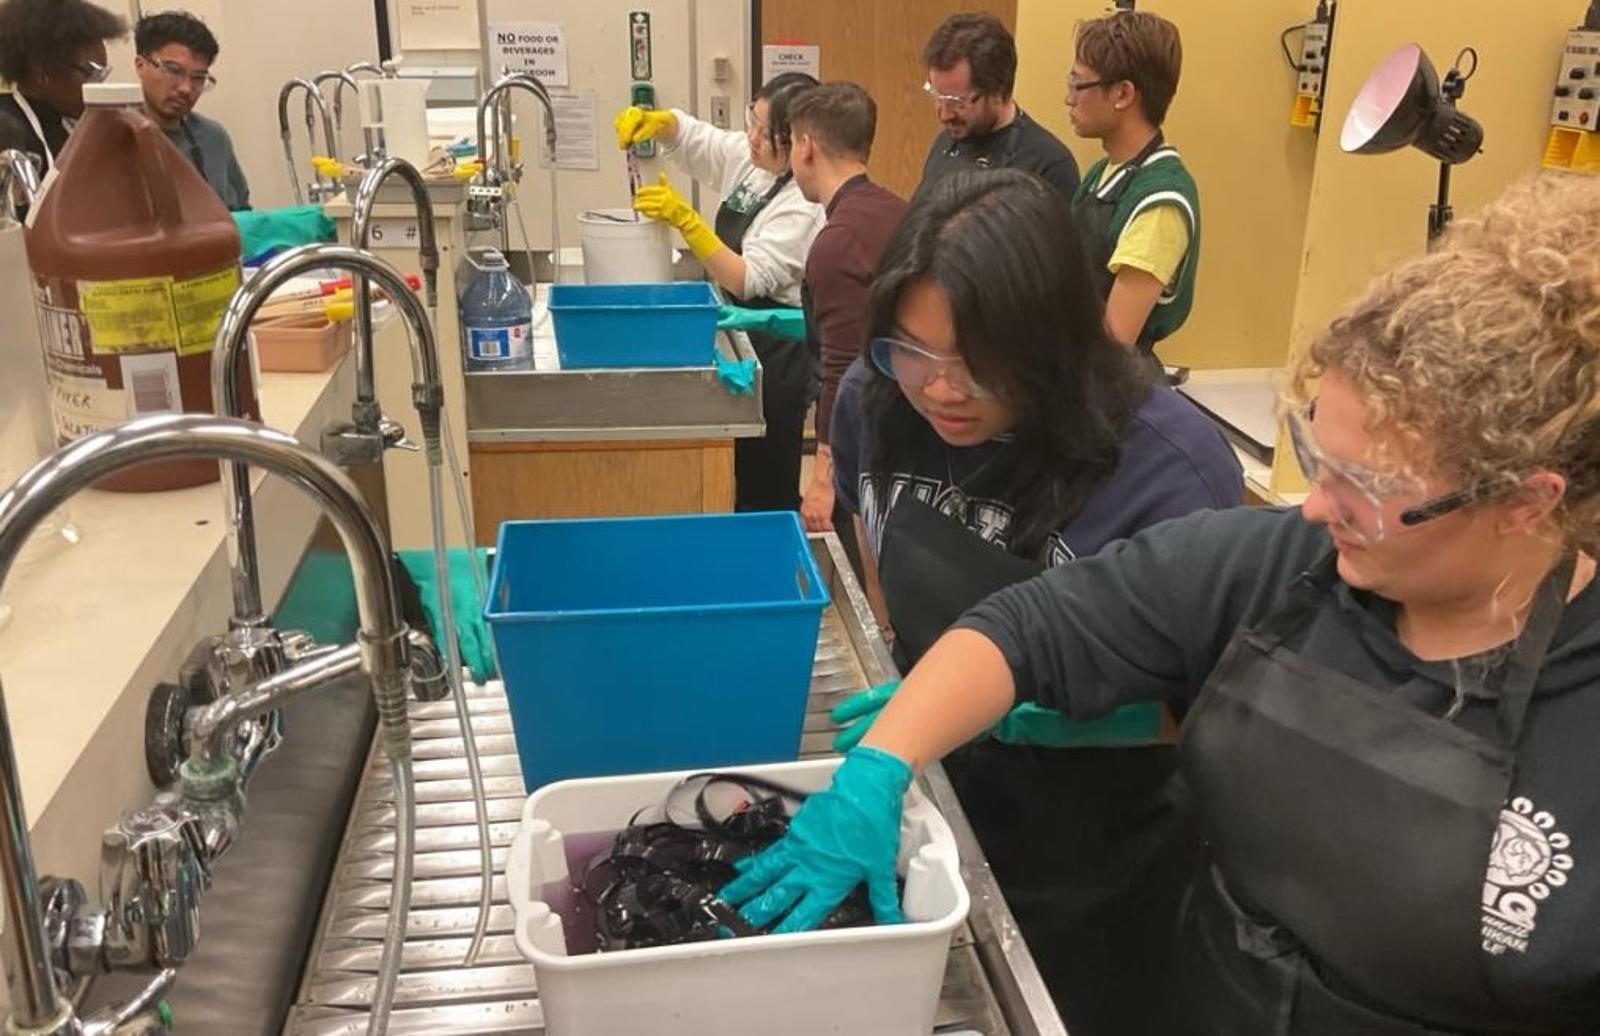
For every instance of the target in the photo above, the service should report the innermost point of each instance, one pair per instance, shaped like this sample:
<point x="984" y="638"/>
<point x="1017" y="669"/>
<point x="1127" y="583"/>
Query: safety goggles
<point x="92" y="71"/>
<point x="201" y="81"/>
<point x="915" y="367"/>
<point x="1357" y="493"/>
<point x="949" y="100"/>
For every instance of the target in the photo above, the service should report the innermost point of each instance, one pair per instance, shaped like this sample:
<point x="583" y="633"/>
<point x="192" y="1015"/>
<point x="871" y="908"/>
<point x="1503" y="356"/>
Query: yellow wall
<point x="1230" y="121"/>
<point x="1367" y="211"/>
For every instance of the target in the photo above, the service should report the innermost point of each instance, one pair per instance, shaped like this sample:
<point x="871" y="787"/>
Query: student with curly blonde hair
<point x="1395" y="688"/>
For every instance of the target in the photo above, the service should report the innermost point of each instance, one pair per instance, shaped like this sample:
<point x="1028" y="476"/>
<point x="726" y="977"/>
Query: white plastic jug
<point x="618" y="249"/>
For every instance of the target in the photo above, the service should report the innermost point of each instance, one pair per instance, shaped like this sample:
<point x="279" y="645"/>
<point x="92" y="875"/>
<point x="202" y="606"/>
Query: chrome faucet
<point x="19" y="176"/>
<point x="155" y="862"/>
<point x="340" y="80"/>
<point x="319" y="189"/>
<point x="486" y="196"/>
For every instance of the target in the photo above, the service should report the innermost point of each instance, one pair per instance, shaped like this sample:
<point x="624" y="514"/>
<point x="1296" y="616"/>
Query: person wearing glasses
<point x="175" y="52"/>
<point x="48" y="50"/>
<point x="755" y="250"/>
<point x="1395" y="686"/>
<point x="1138" y="205"/>
<point x="971" y="62"/>
<point x="998" y="432"/>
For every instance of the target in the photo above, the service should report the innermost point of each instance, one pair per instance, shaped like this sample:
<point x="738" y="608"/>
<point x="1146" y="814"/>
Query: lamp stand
<point x="1439" y="212"/>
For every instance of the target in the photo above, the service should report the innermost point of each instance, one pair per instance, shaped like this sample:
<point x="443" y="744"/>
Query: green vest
<point x="1160" y="179"/>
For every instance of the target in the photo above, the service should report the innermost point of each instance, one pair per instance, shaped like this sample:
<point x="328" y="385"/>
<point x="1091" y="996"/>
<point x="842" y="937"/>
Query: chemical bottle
<point x="496" y="316"/>
<point x="134" y="259"/>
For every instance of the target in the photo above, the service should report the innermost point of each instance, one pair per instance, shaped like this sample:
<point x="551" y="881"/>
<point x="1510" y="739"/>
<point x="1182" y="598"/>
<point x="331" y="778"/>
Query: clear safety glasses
<point x="957" y="101"/>
<point x="201" y="81"/>
<point x="1357" y="493"/>
<point x="915" y="367"/>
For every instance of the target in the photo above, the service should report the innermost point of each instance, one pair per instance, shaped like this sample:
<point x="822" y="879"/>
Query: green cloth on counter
<point x="472" y="632"/>
<point x="786" y="323"/>
<point x="264" y="230"/>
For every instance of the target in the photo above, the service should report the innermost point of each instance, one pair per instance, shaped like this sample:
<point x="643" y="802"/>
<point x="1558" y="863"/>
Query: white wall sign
<point x="777" y="59"/>
<point x="577" y="146"/>
<point x="538" y="48"/>
<point x="437" y="24"/>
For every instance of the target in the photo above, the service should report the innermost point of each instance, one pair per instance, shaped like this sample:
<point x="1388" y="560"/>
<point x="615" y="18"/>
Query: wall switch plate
<point x="719" y="111"/>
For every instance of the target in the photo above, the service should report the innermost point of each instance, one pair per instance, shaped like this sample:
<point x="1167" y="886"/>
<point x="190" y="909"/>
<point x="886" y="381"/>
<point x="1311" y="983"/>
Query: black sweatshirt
<point x="1147" y="618"/>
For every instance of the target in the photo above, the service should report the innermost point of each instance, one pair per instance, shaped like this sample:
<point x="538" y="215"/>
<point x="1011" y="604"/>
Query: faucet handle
<point x="144" y="1014"/>
<point x="394" y="435"/>
<point x="153" y="870"/>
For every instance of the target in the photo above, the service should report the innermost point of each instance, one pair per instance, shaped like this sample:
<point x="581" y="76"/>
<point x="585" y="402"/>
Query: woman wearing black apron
<point x="52" y="49"/>
<point x="756" y="251"/>
<point x="1397" y="687"/>
<point x="999" y="431"/>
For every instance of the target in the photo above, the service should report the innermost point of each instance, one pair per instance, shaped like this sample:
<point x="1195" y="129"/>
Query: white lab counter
<point x="98" y="624"/>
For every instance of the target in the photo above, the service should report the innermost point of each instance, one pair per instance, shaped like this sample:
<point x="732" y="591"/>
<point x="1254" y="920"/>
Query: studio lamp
<point x="1404" y="103"/>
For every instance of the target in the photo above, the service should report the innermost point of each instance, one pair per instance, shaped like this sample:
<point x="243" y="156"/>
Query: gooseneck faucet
<point x="486" y="196"/>
<point x="319" y="191"/>
<point x="340" y="79"/>
<point x="162" y="905"/>
<point x="19" y="176"/>
<point x="427" y="390"/>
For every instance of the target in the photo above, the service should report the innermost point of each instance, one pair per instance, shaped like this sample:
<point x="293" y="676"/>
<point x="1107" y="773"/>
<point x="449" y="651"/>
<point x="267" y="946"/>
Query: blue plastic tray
<point x="629" y="645"/>
<point x="635" y="325"/>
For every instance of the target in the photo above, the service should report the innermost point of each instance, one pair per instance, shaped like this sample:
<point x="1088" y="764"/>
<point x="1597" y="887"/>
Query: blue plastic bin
<point x="630" y="645"/>
<point x="635" y="325"/>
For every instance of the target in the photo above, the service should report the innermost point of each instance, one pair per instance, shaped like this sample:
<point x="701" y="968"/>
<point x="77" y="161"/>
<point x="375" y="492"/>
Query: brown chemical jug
<point x="134" y="259"/>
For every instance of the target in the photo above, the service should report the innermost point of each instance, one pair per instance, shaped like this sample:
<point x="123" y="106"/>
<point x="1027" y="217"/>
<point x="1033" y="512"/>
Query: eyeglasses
<point x="949" y="100"/>
<point x="202" y="81"/>
<point x="92" y="71"/>
<point x="915" y="367"/>
<point x="1357" y="493"/>
<point x="1078" y="86"/>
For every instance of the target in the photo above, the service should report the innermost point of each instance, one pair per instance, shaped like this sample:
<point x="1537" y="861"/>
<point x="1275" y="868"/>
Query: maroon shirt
<point x="838" y="281"/>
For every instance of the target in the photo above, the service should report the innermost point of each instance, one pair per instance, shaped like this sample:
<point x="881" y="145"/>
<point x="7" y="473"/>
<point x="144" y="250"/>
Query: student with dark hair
<point x="971" y="61"/>
<point x="175" y="52"/>
<point x="1138" y="206"/>
<point x="996" y="432"/>
<point x="833" y="126"/>
<point x="48" y="50"/>
<point x="756" y="251"/>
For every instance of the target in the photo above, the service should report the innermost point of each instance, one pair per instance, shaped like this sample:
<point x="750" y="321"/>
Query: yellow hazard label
<point x="132" y="316"/>
<point x="199" y="304"/>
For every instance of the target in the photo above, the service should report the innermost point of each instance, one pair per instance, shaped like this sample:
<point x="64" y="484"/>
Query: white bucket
<point x="622" y="250"/>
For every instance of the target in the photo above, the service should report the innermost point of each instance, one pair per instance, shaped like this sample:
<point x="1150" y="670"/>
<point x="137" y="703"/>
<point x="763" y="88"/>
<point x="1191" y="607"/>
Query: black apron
<point x="1094" y="215"/>
<point x="1345" y="898"/>
<point x="1089" y="845"/>
<point x="766" y="471"/>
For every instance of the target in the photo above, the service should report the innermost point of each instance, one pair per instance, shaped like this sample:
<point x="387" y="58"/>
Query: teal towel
<point x="266" y="230"/>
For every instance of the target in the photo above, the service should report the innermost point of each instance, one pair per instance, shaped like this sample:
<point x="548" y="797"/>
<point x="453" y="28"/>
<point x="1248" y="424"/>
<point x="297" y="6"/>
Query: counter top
<point x="95" y="625"/>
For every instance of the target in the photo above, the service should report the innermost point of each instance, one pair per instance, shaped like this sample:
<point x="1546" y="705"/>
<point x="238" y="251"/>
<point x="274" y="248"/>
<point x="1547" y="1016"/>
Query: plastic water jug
<point x="496" y="317"/>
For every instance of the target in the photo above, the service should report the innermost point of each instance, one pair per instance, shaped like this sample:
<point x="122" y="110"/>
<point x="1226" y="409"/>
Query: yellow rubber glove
<point x="660" y="201"/>
<point x="636" y="124"/>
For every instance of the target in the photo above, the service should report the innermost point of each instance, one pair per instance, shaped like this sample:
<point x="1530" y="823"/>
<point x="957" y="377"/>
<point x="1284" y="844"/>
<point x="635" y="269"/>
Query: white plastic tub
<point x="622" y="247"/>
<point x="872" y="981"/>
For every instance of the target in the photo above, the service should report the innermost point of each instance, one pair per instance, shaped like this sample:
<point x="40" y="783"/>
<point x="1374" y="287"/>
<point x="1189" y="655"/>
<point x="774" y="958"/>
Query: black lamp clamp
<point x="1452" y="136"/>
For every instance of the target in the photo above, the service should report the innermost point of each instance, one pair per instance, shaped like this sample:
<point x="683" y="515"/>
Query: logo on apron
<point x="1527" y="861"/>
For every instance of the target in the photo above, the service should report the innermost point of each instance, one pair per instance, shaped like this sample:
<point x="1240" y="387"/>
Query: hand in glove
<point x="841" y="837"/>
<point x="662" y="202"/>
<point x="636" y="124"/>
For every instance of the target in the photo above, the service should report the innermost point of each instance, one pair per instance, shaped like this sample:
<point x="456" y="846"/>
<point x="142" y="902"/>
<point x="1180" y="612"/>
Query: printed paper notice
<point x="199" y="304"/>
<point x="129" y="316"/>
<point x="537" y="48"/>
<point x="776" y="59"/>
<point x="437" y="24"/>
<point x="576" y="144"/>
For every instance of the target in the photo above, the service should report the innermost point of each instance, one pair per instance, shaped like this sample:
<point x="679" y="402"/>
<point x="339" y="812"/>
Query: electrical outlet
<point x="719" y="111"/>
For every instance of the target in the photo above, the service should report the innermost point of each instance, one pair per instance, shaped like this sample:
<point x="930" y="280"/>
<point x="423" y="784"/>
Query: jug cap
<point x="113" y="95"/>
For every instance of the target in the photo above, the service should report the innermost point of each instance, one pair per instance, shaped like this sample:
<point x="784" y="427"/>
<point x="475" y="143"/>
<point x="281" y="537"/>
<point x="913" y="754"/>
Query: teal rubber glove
<point x="784" y="322"/>
<point x="841" y="837"/>
<point x="1026" y="724"/>
<point x="857" y="713"/>
<point x="737" y="376"/>
<point x="472" y="633"/>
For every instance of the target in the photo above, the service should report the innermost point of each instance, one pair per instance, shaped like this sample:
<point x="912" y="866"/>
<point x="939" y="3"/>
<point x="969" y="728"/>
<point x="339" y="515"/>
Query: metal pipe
<point x="367" y="66"/>
<point x="313" y="96"/>
<point x="507" y="82"/>
<point x="342" y="79"/>
<point x="36" y="1002"/>
<point x="228" y="352"/>
<point x="360" y="236"/>
<point x="18" y="175"/>
<point x="214" y="722"/>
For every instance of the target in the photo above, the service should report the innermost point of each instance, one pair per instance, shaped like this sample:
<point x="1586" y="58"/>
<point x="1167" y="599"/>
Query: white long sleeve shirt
<point x="780" y="236"/>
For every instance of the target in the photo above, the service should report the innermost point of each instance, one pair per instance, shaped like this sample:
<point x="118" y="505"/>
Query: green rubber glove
<point x="661" y="201"/>
<point x="1026" y="724"/>
<point x="784" y="322"/>
<point x="841" y="837"/>
<point x="472" y="632"/>
<point x="635" y="125"/>
<point x="857" y="713"/>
